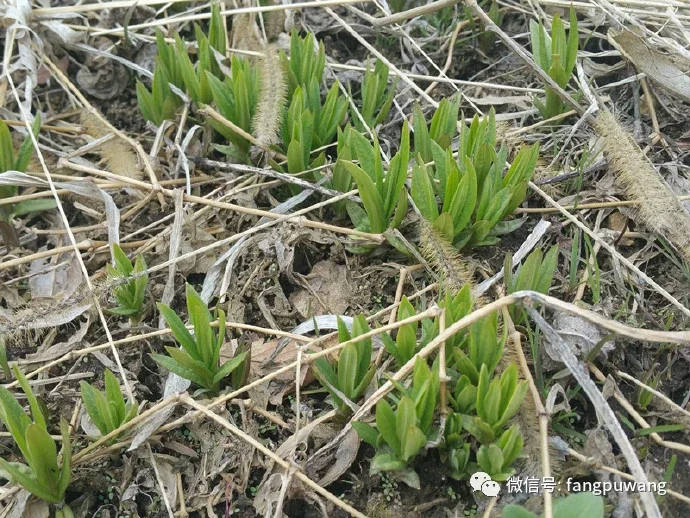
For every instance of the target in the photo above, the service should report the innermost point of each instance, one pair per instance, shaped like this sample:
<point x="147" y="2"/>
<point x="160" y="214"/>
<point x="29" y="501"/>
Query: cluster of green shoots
<point x="466" y="199"/>
<point x="483" y="395"/>
<point x="17" y="161"/>
<point x="198" y="360"/>
<point x="274" y="103"/>
<point x="556" y="56"/>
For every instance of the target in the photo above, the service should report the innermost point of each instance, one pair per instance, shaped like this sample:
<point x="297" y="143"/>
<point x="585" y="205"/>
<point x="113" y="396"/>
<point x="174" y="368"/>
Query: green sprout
<point x="131" y="294"/>
<point x="535" y="274"/>
<point x="377" y="99"/>
<point x="174" y="66"/>
<point x="348" y="378"/>
<point x="383" y="194"/>
<point x="404" y="347"/>
<point x="475" y="196"/>
<point x="556" y="56"/>
<point x="19" y="161"/>
<point x="42" y="475"/>
<point x="402" y="433"/>
<point x="198" y="360"/>
<point x="107" y="410"/>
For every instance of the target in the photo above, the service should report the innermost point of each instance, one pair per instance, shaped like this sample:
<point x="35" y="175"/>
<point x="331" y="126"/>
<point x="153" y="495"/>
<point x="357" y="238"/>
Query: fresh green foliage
<point x="351" y="374"/>
<point x="41" y="475"/>
<point x="497" y="458"/>
<point x="475" y="196"/>
<point x="481" y="347"/>
<point x="401" y="434"/>
<point x="555" y="55"/>
<point x="160" y="103"/>
<point x="235" y="98"/>
<point x="482" y="411"/>
<point x="441" y="129"/>
<point x="405" y="345"/>
<point x="497" y="401"/>
<point x="107" y="410"/>
<point x="377" y="99"/>
<point x="577" y="505"/>
<point x="198" y="360"/>
<point x="383" y="193"/>
<point x="306" y="65"/>
<point x="535" y="274"/>
<point x="309" y="125"/>
<point x="131" y="293"/>
<point x="19" y="161"/>
<point x="174" y="66"/>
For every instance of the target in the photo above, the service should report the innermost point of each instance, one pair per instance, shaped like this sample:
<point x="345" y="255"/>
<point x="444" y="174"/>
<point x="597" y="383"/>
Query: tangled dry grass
<point x="603" y="354"/>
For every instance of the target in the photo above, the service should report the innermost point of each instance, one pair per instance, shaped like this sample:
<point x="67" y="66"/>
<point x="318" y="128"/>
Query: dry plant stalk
<point x="272" y="95"/>
<point x="117" y="154"/>
<point x="659" y="208"/>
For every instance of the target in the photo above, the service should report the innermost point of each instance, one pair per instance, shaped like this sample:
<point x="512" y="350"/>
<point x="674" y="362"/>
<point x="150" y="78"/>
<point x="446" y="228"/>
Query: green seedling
<point x="475" y="197"/>
<point x="195" y="79"/>
<point x="497" y="401"/>
<point x="235" y="98"/>
<point x="174" y="67"/>
<point x="198" y="360"/>
<point x="535" y="274"/>
<point x="402" y="433"/>
<point x="497" y="458"/>
<point x="19" y="161"/>
<point x="107" y="410"/>
<point x="306" y="65"/>
<point x="556" y="56"/>
<point x="441" y="129"/>
<point x="377" y="97"/>
<point x="42" y="475"/>
<point x="404" y="347"/>
<point x="481" y="347"/>
<point x="309" y="125"/>
<point x="577" y="505"/>
<point x="131" y="293"/>
<point x="348" y="378"/>
<point x="383" y="193"/>
<point x="160" y="103"/>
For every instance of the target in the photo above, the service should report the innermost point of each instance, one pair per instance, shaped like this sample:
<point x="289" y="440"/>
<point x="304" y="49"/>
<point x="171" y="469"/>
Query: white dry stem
<point x="604" y="411"/>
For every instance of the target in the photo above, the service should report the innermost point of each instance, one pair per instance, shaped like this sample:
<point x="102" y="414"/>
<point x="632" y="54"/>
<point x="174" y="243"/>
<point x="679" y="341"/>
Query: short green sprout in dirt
<point x="475" y="196"/>
<point x="174" y="66"/>
<point x="42" y="475"/>
<point x="577" y="505"/>
<point x="402" y="433"/>
<point x="348" y="378"/>
<point x="107" y="409"/>
<point x="383" y="193"/>
<point x="131" y="293"/>
<point x="309" y="125"/>
<point x="482" y="411"/>
<point x="535" y="274"/>
<point x="405" y="345"/>
<point x="556" y="56"/>
<point x="198" y="360"/>
<point x="377" y="97"/>
<point x="19" y="161"/>
<point x="309" y="122"/>
<point x="235" y="98"/>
